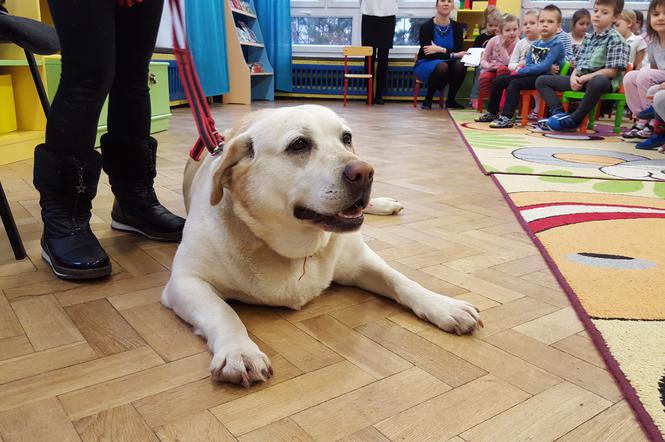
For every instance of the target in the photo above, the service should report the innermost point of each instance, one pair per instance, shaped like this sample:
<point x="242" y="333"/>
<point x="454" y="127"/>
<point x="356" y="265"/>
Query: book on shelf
<point x="251" y="36"/>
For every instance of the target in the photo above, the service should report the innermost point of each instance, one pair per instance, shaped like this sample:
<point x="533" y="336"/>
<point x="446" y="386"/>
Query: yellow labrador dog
<point x="274" y="220"/>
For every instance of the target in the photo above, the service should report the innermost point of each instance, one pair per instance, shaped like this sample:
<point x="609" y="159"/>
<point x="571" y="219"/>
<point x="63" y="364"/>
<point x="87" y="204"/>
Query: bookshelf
<point x="471" y="18"/>
<point x="251" y="76"/>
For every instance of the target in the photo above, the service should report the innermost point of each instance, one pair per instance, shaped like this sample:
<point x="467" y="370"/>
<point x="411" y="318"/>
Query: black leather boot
<point x="67" y="185"/>
<point x="131" y="167"/>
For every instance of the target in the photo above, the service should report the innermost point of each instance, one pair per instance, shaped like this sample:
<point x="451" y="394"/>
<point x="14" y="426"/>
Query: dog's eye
<point x="298" y="145"/>
<point x="346" y="138"/>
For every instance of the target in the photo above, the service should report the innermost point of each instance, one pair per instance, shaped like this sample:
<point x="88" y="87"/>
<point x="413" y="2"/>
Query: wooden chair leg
<point x="442" y="101"/>
<point x="369" y="93"/>
<point x="345" y="84"/>
<point x="10" y="226"/>
<point x="415" y="94"/>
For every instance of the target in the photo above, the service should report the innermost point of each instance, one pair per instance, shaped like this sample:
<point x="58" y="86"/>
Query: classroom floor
<point x="105" y="359"/>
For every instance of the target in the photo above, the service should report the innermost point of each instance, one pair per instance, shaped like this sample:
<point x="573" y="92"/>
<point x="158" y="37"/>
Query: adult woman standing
<point x="441" y="48"/>
<point x="106" y="50"/>
<point x="377" y="30"/>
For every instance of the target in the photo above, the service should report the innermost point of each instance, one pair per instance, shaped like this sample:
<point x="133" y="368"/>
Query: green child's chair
<point x="589" y="121"/>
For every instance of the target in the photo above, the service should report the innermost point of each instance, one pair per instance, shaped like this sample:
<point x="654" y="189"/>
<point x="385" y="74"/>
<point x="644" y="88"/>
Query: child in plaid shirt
<point x="599" y="66"/>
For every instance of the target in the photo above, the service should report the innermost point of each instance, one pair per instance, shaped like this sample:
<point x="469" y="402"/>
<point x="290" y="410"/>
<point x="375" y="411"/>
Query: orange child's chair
<point x="528" y="95"/>
<point x="358" y="51"/>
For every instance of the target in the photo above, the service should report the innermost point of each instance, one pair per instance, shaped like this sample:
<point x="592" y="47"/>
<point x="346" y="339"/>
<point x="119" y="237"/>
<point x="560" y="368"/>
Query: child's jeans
<point x="474" y="88"/>
<point x="547" y="86"/>
<point x="636" y="83"/>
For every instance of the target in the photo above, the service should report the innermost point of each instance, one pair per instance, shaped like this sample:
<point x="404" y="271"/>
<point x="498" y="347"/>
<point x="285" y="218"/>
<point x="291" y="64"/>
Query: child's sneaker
<point x="562" y="123"/>
<point x="474" y="103"/>
<point x="502" y="122"/>
<point x="533" y="115"/>
<point x="647" y="114"/>
<point x="487" y="117"/>
<point x="654" y="142"/>
<point x="631" y="135"/>
<point x="645" y="133"/>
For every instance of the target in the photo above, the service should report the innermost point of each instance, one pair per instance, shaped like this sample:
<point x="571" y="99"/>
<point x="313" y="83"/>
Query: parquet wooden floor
<point x="105" y="361"/>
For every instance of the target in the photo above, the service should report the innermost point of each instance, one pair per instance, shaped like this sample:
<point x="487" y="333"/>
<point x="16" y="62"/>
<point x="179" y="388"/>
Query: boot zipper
<point x="80" y="189"/>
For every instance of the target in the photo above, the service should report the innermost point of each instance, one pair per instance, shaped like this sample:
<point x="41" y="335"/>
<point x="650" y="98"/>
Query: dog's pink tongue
<point x="351" y="213"/>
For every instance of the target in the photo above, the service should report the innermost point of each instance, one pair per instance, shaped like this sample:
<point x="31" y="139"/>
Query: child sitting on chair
<point x="599" y="66"/>
<point x="543" y="54"/>
<point x="495" y="58"/>
<point x="531" y="34"/>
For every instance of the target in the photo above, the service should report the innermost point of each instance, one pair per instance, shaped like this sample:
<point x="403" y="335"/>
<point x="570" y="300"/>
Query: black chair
<point x="35" y="38"/>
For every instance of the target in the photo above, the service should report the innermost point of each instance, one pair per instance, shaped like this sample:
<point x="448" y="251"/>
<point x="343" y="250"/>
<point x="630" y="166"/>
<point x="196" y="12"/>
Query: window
<point x="325" y="31"/>
<point x="320" y="27"/>
<point x="406" y="31"/>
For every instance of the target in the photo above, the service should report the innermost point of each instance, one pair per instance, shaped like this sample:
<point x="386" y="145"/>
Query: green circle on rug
<point x="561" y="176"/>
<point x="489" y="168"/>
<point x="659" y="189"/>
<point x="616" y="186"/>
<point x="519" y="169"/>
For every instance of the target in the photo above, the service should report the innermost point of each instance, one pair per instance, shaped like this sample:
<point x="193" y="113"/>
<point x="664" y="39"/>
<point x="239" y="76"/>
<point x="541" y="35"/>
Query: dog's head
<point x="295" y="170"/>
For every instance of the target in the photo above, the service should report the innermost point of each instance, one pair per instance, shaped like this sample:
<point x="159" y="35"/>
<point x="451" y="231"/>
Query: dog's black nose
<point x="358" y="173"/>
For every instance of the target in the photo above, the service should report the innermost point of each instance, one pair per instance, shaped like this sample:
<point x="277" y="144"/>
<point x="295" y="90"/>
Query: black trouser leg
<point x="513" y="93"/>
<point x="499" y="84"/>
<point x="381" y="72"/>
<point x="593" y="89"/>
<point x="548" y="85"/>
<point x="86" y="30"/>
<point x="129" y="98"/>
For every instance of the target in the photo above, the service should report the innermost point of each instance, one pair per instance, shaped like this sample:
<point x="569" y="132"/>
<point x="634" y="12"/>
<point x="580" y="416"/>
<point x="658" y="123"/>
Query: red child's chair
<point x="485" y="85"/>
<point x="416" y="84"/>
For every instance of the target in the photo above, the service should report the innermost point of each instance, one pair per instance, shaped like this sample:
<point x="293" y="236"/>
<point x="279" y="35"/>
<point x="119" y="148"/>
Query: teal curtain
<point x="206" y="31"/>
<point x="275" y="21"/>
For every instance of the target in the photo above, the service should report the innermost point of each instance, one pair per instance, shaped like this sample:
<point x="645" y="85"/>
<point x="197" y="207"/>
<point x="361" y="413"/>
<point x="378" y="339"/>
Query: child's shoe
<point x="654" y="142"/>
<point x="487" y="117"/>
<point x="502" y="122"/>
<point x="645" y="133"/>
<point x="562" y="123"/>
<point x="631" y="135"/>
<point x="474" y="103"/>
<point x="647" y="114"/>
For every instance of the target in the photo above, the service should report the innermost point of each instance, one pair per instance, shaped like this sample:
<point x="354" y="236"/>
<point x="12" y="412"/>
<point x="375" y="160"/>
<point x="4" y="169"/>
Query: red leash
<point x="209" y="136"/>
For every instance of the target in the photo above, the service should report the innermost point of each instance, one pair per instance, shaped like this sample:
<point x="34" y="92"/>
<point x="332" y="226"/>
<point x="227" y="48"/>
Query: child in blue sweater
<point x="543" y="54"/>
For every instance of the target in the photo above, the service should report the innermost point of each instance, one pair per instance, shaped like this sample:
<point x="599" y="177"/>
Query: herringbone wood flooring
<point x="106" y="360"/>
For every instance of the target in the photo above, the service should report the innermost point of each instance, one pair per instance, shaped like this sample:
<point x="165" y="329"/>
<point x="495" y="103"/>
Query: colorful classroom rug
<point x="604" y="241"/>
<point x="519" y="150"/>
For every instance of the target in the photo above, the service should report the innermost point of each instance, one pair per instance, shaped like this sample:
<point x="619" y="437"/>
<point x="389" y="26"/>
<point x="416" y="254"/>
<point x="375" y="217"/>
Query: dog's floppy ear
<point x="235" y="150"/>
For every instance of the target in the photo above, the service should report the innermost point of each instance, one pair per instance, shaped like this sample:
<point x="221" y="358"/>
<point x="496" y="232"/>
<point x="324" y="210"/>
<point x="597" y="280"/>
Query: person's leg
<point x="513" y="93"/>
<point x="659" y="104"/>
<point x="130" y="153"/>
<point x="547" y="86"/>
<point x="593" y="89"/>
<point x="67" y="168"/>
<point x="496" y="91"/>
<point x="381" y="73"/>
<point x="457" y="72"/>
<point x="435" y="82"/>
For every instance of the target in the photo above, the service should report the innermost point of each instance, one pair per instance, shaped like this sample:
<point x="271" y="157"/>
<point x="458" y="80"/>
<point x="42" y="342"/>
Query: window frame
<point x="342" y="8"/>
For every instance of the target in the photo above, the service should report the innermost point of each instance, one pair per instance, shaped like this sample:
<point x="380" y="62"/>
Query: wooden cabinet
<point x="251" y="77"/>
<point x="19" y="144"/>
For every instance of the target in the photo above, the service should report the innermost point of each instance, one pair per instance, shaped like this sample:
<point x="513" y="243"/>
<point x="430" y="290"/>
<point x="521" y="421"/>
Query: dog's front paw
<point x="241" y="364"/>
<point x="451" y="315"/>
<point x="383" y="206"/>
